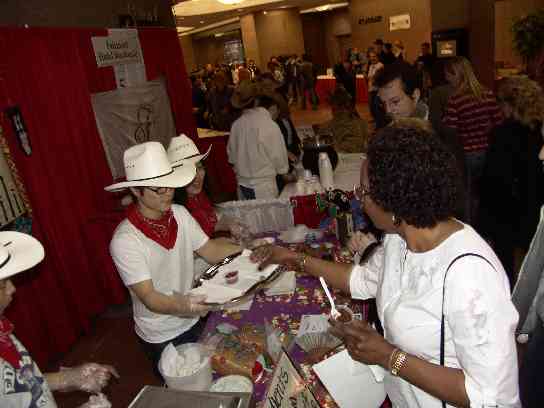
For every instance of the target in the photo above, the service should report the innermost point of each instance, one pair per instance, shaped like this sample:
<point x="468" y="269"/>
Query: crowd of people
<point x="466" y="115"/>
<point x="452" y="180"/>
<point x="213" y="85"/>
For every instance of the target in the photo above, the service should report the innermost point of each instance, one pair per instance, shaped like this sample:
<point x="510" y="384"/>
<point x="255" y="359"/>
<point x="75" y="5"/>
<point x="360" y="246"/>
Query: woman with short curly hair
<point x="442" y="294"/>
<point x="512" y="179"/>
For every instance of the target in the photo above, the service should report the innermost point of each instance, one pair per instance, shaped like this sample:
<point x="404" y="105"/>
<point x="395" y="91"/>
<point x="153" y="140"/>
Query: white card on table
<point x="360" y="390"/>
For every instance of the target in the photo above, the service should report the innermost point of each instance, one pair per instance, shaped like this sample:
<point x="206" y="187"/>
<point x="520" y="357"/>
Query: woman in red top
<point x="473" y="112"/>
<point x="193" y="196"/>
<point x="202" y="210"/>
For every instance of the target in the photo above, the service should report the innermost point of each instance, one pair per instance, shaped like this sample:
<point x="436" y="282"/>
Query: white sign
<point x="287" y="388"/>
<point x="117" y="49"/>
<point x="400" y="22"/>
<point x="128" y="74"/>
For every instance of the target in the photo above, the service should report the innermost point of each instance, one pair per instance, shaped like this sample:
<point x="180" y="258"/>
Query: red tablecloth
<point x="362" y="90"/>
<point x="220" y="174"/>
<point x="323" y="87"/>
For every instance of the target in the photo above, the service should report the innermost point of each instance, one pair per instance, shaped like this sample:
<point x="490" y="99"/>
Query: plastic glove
<point x="89" y="377"/>
<point x="190" y="305"/>
<point x="232" y="224"/>
<point x="97" y="401"/>
<point x="360" y="241"/>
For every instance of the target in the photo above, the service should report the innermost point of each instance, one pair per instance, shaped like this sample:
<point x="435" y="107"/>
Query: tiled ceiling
<point x="197" y="14"/>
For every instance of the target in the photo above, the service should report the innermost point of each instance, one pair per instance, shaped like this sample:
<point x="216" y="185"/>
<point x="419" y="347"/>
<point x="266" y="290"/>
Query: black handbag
<point x="442" y="325"/>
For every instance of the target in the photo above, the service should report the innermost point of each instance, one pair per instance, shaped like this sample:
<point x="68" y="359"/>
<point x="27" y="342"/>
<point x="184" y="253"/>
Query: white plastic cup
<point x="326" y="175"/>
<point x="198" y="381"/>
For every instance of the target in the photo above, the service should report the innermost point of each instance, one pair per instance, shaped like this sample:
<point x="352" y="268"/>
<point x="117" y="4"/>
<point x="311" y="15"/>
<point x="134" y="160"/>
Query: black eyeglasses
<point x="360" y="192"/>
<point x="159" y="190"/>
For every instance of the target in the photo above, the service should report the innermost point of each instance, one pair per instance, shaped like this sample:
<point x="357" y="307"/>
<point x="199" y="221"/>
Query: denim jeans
<point x="246" y="193"/>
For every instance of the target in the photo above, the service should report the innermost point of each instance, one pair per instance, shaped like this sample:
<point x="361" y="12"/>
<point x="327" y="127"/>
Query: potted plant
<point x="528" y="41"/>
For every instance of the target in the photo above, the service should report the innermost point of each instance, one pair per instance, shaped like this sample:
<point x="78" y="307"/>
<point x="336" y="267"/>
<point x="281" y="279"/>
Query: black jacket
<point x="512" y="187"/>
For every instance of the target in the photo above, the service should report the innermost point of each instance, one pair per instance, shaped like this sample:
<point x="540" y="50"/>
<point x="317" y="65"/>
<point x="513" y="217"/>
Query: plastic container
<point x="346" y="314"/>
<point x="231" y="278"/>
<point x="313" y="186"/>
<point x="326" y="174"/>
<point x="232" y="383"/>
<point x="299" y="169"/>
<point x="200" y="380"/>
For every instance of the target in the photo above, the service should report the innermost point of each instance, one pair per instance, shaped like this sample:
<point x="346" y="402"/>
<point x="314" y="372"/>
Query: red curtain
<point x="50" y="74"/>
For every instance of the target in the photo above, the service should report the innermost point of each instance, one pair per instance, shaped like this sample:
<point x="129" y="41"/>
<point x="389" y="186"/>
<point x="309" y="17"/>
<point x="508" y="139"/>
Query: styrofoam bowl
<point x="198" y="381"/>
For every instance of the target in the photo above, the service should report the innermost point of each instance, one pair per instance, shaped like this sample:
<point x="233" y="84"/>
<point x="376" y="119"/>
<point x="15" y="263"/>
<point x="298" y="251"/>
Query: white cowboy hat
<point x="147" y="165"/>
<point x="18" y="252"/>
<point x="183" y="149"/>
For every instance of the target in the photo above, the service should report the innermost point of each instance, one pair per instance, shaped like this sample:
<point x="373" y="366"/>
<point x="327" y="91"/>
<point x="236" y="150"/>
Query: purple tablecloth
<point x="285" y="312"/>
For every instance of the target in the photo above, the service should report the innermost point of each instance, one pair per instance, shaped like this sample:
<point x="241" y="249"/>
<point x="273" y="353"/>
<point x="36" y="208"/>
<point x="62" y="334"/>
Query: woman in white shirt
<point x="408" y="189"/>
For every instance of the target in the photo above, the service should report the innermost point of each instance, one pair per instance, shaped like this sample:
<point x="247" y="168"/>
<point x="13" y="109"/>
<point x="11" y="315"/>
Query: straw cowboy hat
<point x="246" y="92"/>
<point x="147" y="165"/>
<point x="269" y="88"/>
<point x="18" y="252"/>
<point x="182" y="149"/>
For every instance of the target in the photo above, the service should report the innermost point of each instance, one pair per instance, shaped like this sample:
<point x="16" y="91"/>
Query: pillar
<point x="278" y="32"/>
<point x="249" y="38"/>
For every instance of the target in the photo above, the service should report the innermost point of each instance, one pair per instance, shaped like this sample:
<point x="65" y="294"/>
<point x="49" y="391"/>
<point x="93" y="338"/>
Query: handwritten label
<point x="287" y="388"/>
<point x="313" y="324"/>
<point x="115" y="50"/>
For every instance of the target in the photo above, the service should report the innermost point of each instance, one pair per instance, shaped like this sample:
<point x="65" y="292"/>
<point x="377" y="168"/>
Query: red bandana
<point x="202" y="210"/>
<point x="8" y="351"/>
<point x="164" y="231"/>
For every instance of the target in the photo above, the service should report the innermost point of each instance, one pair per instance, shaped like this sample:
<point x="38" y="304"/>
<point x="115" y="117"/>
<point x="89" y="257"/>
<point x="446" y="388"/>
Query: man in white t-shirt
<point x="256" y="147"/>
<point x="153" y="250"/>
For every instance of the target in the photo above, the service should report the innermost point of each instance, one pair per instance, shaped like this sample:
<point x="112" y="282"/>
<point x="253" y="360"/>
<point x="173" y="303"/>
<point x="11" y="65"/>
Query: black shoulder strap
<point x="442" y="325"/>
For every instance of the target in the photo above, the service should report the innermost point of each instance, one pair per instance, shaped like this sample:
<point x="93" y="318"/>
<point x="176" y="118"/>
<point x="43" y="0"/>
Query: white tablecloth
<point x="346" y="175"/>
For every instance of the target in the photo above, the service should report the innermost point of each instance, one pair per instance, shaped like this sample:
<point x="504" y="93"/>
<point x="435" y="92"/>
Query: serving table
<point x="220" y="178"/>
<point x="362" y="89"/>
<point x="324" y="86"/>
<point x="285" y="312"/>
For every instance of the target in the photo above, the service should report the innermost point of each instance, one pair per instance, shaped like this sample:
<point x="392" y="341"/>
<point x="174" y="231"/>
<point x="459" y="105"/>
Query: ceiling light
<point x="230" y="1"/>
<point x="323" y="8"/>
<point x="201" y="21"/>
<point x="264" y="12"/>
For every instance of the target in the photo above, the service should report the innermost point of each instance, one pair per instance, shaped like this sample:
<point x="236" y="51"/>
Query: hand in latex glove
<point x="190" y="305"/>
<point x="89" y="377"/>
<point x="271" y="254"/>
<point x="97" y="401"/>
<point x="360" y="241"/>
<point x="232" y="224"/>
